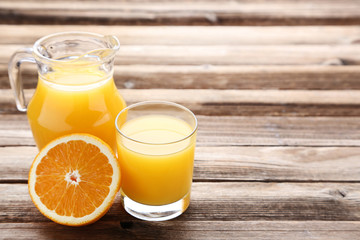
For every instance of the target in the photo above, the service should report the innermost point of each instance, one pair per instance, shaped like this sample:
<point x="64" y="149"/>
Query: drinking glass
<point x="156" y="144"/>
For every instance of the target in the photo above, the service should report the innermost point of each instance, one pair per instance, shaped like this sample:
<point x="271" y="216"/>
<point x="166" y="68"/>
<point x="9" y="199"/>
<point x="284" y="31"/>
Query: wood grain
<point x="200" y="35"/>
<point x="238" y="102"/>
<point x="226" y="202"/>
<point x="230" y="163"/>
<point x="274" y="84"/>
<point x="239" y="230"/>
<point x="220" y="77"/>
<point x="205" y="12"/>
<point x="234" y="131"/>
<point x="227" y="54"/>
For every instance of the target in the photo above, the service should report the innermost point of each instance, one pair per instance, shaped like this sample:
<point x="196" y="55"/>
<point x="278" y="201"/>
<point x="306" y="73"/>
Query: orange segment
<point x="74" y="179"/>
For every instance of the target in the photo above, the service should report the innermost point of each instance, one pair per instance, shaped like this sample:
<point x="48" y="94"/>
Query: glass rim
<point x="194" y="129"/>
<point x="43" y="58"/>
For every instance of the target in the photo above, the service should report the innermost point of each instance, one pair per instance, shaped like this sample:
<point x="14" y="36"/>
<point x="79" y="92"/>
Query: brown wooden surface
<point x="275" y="86"/>
<point x="239" y="102"/>
<point x="218" y="163"/>
<point x="228" y="54"/>
<point x="235" y="131"/>
<point x="237" y="230"/>
<point x="221" y="77"/>
<point x="186" y="12"/>
<point x="228" y="201"/>
<point x="195" y="35"/>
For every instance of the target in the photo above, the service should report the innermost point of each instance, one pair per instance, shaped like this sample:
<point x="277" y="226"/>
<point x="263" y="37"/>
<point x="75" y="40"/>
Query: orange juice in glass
<point x="156" y="143"/>
<point x="75" y="91"/>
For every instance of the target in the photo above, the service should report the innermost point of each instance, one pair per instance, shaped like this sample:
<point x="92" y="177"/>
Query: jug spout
<point x="113" y="42"/>
<point x="105" y="54"/>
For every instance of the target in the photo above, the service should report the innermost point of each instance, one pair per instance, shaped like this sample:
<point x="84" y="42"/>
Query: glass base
<point x="155" y="213"/>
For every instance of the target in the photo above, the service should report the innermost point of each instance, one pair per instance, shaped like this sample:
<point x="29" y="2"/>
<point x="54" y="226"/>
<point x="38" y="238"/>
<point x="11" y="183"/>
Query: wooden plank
<point x="234" y="163"/>
<point x="220" y="77"/>
<point x="234" y="131"/>
<point x="200" y="35"/>
<point x="238" y="102"/>
<point x="277" y="164"/>
<point x="239" y="230"/>
<point x="285" y="12"/>
<point x="226" y="202"/>
<point x="227" y="54"/>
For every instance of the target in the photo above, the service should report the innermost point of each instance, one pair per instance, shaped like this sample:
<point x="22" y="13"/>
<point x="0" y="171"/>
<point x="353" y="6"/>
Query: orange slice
<point x="74" y="179"/>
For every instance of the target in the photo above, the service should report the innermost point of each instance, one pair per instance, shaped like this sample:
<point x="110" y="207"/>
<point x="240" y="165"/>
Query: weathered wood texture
<point x="279" y="112"/>
<point x="205" y="12"/>
<point x="234" y="131"/>
<point x="227" y="54"/>
<point x="194" y="35"/>
<point x="210" y="46"/>
<point x="238" y="102"/>
<point x="220" y="77"/>
<point x="225" y="202"/>
<point x="237" y="230"/>
<point x="233" y="163"/>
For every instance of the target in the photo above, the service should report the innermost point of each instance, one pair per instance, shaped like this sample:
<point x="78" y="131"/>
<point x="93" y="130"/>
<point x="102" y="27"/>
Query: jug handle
<point x="20" y="56"/>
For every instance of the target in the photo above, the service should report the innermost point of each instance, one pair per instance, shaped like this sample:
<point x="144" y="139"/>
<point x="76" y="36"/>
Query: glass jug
<point x="76" y="92"/>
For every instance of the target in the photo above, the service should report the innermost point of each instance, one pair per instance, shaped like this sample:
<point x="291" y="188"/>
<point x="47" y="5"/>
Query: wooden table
<point x="275" y="86"/>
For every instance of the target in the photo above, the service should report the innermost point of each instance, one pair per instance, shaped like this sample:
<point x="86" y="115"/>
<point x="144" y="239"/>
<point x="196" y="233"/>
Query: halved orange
<point x="74" y="179"/>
